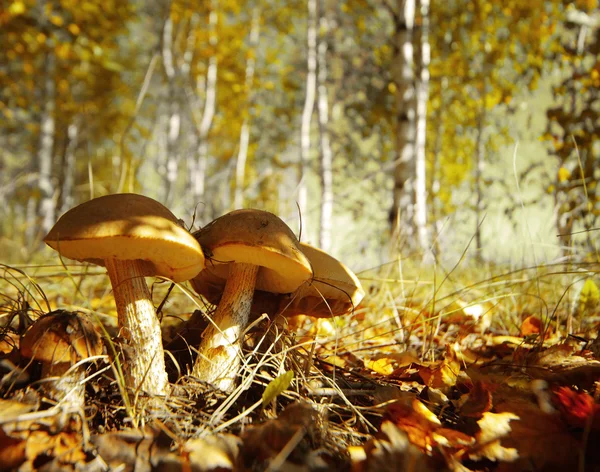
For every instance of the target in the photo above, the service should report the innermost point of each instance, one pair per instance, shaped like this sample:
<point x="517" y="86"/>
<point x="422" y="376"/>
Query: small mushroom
<point x="58" y="340"/>
<point x="334" y="290"/>
<point x="133" y="236"/>
<point x="250" y="249"/>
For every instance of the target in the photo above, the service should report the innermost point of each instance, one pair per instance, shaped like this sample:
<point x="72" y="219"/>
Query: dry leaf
<point x="577" y="408"/>
<point x="12" y="452"/>
<point x="383" y="366"/>
<point x="542" y="440"/>
<point x="444" y="374"/>
<point x="216" y="452"/>
<point x="478" y="401"/>
<point x="390" y="451"/>
<point x="531" y="325"/>
<point x="493" y="427"/>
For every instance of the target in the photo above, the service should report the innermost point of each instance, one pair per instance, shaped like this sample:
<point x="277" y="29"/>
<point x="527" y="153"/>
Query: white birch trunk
<point x="421" y="162"/>
<point x="402" y="211"/>
<point x="174" y="116"/>
<point x="47" y="207"/>
<point x="309" y="105"/>
<point x="242" y="157"/>
<point x="326" y="155"/>
<point x="198" y="178"/>
<point x="477" y="179"/>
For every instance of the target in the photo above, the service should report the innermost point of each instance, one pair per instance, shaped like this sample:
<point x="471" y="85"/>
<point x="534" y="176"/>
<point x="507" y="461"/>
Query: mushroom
<point x="58" y="340"/>
<point x="334" y="290"/>
<point x="250" y="249"/>
<point x="133" y="236"/>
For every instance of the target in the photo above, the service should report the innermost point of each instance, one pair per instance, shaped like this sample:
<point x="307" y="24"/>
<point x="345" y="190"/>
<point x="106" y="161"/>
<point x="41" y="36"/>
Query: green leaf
<point x="277" y="386"/>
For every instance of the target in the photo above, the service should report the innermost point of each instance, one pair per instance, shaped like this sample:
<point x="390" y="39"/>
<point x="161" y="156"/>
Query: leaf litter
<point x="483" y="377"/>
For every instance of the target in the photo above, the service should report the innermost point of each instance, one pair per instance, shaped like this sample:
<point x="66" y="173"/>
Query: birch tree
<point x="240" y="167"/>
<point x="207" y="87"/>
<point x="171" y="164"/>
<point x="422" y="91"/>
<point x="309" y="105"/>
<point x="402" y="210"/>
<point x="326" y="154"/>
<point x="47" y="207"/>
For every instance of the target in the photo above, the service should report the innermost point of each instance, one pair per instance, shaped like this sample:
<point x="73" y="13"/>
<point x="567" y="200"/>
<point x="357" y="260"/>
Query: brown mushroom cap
<point x="259" y="238"/>
<point x="128" y="227"/>
<point x="61" y="337"/>
<point x="334" y="291"/>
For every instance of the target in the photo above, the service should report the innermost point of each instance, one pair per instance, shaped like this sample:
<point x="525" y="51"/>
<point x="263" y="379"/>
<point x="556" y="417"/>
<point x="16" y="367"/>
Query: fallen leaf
<point x="493" y="427"/>
<point x="277" y="386"/>
<point x="383" y="366"/>
<point x="215" y="452"/>
<point x="444" y="374"/>
<point x="12" y="452"/>
<point x="531" y="325"/>
<point x="577" y="408"/>
<point x="477" y="402"/>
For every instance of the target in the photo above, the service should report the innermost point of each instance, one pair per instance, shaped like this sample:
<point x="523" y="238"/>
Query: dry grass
<point x="410" y="315"/>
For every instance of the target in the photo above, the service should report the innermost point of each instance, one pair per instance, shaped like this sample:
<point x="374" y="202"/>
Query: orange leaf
<point x="531" y="325"/>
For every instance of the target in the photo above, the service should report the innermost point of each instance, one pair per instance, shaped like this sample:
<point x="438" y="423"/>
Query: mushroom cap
<point x="128" y="226"/>
<point x="260" y="238"/>
<point x="335" y="290"/>
<point x="61" y="336"/>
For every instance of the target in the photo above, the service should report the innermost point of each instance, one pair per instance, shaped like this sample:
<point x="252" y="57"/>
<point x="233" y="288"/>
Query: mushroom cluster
<point x="255" y="264"/>
<point x="292" y="278"/>
<point x="249" y="249"/>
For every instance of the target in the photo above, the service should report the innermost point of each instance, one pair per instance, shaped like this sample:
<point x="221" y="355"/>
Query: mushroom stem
<point x="219" y="356"/>
<point x="144" y="363"/>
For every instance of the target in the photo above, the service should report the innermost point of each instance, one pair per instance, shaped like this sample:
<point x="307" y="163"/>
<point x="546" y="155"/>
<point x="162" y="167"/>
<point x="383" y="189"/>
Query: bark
<point x="326" y="155"/>
<point x="47" y="207"/>
<point x="309" y="105"/>
<point x="174" y="114"/>
<point x="422" y="91"/>
<point x="402" y="211"/>
<point x="240" y="167"/>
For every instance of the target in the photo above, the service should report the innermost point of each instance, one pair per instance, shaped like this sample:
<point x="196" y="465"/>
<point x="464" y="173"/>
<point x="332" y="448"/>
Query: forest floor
<point x="480" y="369"/>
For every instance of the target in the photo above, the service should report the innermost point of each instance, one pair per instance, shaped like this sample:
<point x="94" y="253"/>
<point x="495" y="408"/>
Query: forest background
<point x="449" y="128"/>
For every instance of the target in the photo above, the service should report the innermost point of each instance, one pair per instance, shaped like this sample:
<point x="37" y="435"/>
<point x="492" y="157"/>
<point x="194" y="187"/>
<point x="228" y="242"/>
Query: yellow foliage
<point x="563" y="174"/>
<point x="17" y="8"/>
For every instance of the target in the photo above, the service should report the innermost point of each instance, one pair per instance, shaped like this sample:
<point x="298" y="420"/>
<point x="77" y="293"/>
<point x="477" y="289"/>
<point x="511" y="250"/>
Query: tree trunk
<point x="240" y="167"/>
<point x="326" y="156"/>
<point x="477" y="178"/>
<point x="47" y="207"/>
<point x="309" y="105"/>
<point x="198" y="174"/>
<point x="422" y="91"/>
<point x="174" y="115"/>
<point x="402" y="211"/>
